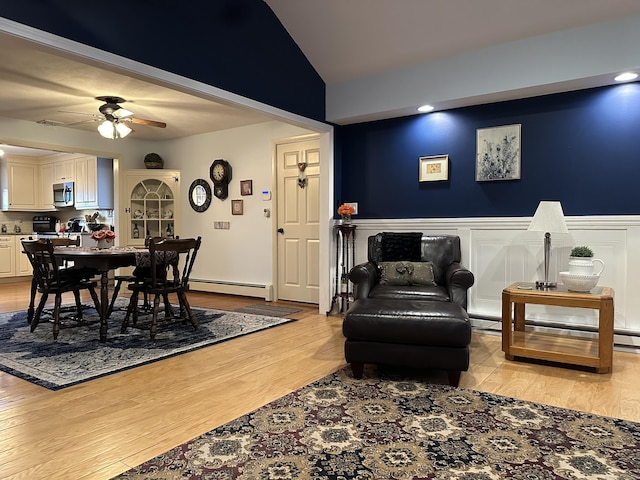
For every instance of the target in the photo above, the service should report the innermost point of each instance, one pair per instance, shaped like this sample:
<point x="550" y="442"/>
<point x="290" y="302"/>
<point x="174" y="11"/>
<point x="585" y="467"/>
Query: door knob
<point x="280" y="230"/>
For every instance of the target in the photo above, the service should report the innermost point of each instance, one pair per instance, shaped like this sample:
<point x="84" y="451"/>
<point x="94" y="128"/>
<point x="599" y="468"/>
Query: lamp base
<point x="545" y="285"/>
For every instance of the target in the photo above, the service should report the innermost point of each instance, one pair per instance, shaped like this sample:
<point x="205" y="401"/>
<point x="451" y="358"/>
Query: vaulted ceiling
<point x="343" y="39"/>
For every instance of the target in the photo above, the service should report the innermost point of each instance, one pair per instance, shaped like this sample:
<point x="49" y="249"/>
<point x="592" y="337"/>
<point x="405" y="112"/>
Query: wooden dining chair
<point x="135" y="277"/>
<point x="66" y="267"/>
<point x="51" y="279"/>
<point x="171" y="261"/>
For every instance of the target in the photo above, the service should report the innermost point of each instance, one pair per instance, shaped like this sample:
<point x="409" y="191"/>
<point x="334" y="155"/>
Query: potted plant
<point x="581" y="252"/>
<point x="581" y="261"/>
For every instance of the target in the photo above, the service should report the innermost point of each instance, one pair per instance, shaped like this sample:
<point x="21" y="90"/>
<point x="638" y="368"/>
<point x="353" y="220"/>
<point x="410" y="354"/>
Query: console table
<point x="345" y="257"/>
<point x="521" y="341"/>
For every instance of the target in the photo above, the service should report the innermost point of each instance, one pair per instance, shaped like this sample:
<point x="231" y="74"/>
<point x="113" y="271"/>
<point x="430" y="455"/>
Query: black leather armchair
<point x="443" y="251"/>
<point x="421" y="323"/>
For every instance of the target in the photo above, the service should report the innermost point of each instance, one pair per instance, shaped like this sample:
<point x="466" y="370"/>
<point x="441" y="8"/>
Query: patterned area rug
<point x="392" y="427"/>
<point x="78" y="356"/>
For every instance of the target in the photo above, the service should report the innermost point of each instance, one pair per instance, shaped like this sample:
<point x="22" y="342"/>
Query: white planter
<point x="585" y="265"/>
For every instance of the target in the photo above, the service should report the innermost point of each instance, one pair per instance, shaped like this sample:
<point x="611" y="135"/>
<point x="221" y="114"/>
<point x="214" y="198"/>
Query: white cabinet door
<point x="7" y="257"/>
<point x="93" y="183"/>
<point x="23" y="265"/>
<point x="46" y="186"/>
<point x="64" y="171"/>
<point x="20" y="182"/>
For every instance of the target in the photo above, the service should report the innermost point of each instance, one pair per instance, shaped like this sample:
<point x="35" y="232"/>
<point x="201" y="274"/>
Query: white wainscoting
<point x="500" y="251"/>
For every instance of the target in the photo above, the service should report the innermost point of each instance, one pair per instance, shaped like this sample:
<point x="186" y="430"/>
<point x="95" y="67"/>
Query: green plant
<point x="581" y="252"/>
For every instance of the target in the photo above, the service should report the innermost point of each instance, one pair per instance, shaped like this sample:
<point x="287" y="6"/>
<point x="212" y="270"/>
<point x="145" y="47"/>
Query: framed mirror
<point x="200" y="195"/>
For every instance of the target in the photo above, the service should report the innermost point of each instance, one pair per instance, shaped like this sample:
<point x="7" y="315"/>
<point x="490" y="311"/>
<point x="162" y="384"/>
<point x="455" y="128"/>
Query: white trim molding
<point x="500" y="251"/>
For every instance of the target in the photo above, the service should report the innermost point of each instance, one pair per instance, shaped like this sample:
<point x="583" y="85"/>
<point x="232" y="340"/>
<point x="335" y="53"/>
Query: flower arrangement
<point x="103" y="235"/>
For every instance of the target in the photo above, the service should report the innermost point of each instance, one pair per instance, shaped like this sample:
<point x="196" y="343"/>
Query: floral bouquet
<point x="103" y="237"/>
<point x="345" y="211"/>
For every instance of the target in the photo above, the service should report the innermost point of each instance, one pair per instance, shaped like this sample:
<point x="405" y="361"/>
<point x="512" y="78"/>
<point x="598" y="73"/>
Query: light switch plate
<point x="354" y="205"/>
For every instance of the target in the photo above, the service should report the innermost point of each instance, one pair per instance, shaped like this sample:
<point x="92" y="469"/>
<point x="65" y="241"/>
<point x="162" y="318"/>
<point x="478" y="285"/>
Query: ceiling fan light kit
<point x="113" y="129"/>
<point x="114" y="118"/>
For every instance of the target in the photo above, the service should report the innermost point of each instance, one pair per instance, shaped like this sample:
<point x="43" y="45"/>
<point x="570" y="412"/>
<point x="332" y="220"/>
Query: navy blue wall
<point x="237" y="45"/>
<point x="582" y="148"/>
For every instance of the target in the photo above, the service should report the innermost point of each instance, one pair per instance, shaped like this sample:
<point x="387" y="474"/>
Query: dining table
<point x="103" y="260"/>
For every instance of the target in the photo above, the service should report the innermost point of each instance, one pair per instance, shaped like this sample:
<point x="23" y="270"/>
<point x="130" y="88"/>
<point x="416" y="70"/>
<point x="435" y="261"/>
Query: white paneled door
<point x="298" y="215"/>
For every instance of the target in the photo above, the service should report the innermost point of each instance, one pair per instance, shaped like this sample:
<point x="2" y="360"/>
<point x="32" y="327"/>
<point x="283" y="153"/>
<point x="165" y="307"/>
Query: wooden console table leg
<point x="518" y="317"/>
<point x="506" y="325"/>
<point x="605" y="335"/>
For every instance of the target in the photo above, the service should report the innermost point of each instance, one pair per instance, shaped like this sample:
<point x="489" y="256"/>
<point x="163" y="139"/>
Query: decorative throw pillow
<point x="406" y="273"/>
<point x="401" y="246"/>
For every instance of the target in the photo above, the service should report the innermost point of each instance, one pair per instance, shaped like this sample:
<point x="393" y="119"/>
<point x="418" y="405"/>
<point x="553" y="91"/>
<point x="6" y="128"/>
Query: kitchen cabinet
<point x="64" y="171"/>
<point x="7" y="256"/>
<point x="19" y="182"/>
<point x="93" y="182"/>
<point x="23" y="265"/>
<point x="152" y="204"/>
<point x="46" y="181"/>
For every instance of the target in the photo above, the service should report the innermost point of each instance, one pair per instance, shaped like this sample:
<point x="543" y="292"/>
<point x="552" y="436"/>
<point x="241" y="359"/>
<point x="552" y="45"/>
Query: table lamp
<point x="548" y="218"/>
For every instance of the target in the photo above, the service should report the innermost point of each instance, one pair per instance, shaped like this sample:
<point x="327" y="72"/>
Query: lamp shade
<point x="549" y="217"/>
<point x="107" y="129"/>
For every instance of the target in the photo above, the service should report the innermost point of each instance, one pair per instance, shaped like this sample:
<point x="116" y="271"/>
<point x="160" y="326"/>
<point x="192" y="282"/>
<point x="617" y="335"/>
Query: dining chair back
<point x="170" y="264"/>
<point x="49" y="278"/>
<point x="136" y="277"/>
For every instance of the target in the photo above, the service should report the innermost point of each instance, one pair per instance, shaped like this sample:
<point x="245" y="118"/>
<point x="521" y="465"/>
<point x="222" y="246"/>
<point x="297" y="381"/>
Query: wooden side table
<point x="518" y="341"/>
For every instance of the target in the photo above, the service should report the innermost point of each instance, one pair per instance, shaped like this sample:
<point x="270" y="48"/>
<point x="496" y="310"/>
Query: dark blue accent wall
<point x="237" y="45"/>
<point x="582" y="148"/>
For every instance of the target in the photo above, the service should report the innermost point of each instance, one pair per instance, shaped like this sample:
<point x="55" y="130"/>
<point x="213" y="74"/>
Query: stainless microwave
<point x="63" y="194"/>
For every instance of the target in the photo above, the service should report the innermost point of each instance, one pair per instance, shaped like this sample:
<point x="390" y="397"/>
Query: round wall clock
<point x="200" y="195"/>
<point x="220" y="173"/>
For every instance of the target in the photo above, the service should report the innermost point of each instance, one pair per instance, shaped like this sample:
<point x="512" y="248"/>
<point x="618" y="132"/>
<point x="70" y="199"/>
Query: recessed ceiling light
<point x="425" y="108"/>
<point x="625" y="77"/>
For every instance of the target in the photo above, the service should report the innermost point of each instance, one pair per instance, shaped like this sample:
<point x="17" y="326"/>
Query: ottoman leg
<point x="454" y="377"/>
<point x="357" y="368"/>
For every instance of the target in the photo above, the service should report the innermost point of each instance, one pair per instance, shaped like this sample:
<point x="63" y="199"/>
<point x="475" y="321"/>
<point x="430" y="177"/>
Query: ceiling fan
<point x="115" y="118"/>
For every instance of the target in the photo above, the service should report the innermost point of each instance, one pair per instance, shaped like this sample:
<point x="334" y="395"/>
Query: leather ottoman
<point x="410" y="333"/>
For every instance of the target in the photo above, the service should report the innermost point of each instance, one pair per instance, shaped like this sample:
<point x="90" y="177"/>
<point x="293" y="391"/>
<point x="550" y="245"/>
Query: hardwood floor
<point x="100" y="428"/>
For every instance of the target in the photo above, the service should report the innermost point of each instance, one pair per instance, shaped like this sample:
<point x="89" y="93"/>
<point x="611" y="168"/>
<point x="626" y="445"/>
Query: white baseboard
<point x="247" y="290"/>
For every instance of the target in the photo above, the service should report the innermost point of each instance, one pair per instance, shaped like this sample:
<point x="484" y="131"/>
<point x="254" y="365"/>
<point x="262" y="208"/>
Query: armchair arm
<point x="458" y="281"/>
<point x="364" y="278"/>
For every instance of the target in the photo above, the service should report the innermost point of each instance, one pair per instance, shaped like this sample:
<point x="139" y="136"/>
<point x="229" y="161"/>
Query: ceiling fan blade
<point x="142" y="121"/>
<point x="95" y="115"/>
<point x="93" y="120"/>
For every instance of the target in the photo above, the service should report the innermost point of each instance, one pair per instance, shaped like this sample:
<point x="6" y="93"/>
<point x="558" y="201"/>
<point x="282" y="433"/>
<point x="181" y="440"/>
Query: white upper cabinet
<point x="64" y="171"/>
<point x="19" y="182"/>
<point x="93" y="182"/>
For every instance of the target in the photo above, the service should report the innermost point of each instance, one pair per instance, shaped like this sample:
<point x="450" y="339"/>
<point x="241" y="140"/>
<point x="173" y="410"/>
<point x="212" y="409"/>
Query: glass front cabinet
<point x="152" y="204"/>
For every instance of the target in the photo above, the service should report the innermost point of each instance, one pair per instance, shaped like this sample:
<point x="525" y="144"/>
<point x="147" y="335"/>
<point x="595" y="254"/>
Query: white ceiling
<point x="343" y="40"/>
<point x="350" y="39"/>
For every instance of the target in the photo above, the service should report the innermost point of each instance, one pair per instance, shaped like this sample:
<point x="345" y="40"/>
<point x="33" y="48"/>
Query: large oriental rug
<point x="78" y="356"/>
<point x="388" y="427"/>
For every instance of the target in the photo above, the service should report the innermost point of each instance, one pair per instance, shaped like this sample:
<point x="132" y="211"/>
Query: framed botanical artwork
<point x="434" y="169"/>
<point x="246" y="187"/>
<point x="498" y="153"/>
<point x="236" y="207"/>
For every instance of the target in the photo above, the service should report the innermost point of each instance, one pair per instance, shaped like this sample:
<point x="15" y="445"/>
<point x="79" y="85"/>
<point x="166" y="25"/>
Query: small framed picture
<point x="236" y="207"/>
<point x="246" y="187"/>
<point x="434" y="169"/>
